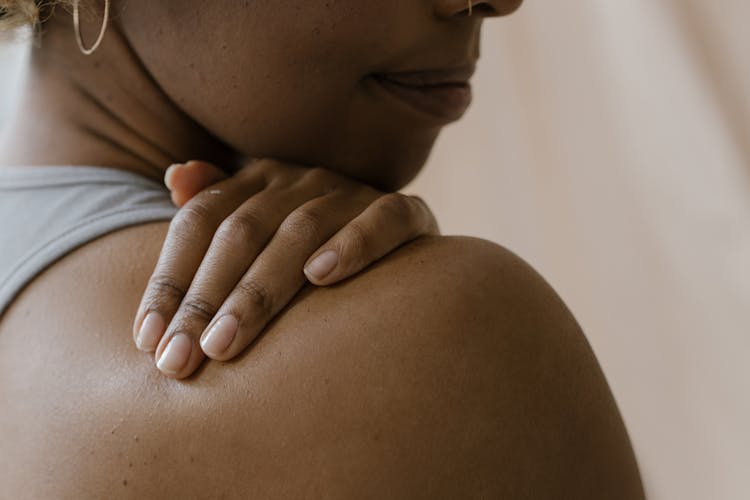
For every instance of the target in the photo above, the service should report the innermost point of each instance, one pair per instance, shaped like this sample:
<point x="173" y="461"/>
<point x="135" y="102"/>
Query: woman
<point x="448" y="369"/>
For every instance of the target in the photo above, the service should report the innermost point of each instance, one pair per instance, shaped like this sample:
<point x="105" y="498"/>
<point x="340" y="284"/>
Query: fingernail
<point x="176" y="355"/>
<point x="151" y="332"/>
<point x="322" y="265"/>
<point x="168" y="175"/>
<point x="218" y="338"/>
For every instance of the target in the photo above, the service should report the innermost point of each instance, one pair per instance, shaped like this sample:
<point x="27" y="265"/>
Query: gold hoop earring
<point x="77" y="28"/>
<point x="471" y="4"/>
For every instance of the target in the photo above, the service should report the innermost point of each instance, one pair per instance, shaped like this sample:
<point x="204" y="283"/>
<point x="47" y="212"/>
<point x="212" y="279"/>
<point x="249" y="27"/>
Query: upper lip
<point x="459" y="75"/>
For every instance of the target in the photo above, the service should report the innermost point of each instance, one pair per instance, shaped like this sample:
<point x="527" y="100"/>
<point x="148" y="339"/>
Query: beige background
<point x="609" y="145"/>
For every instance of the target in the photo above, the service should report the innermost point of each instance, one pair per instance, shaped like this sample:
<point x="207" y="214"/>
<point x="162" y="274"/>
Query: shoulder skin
<point x="448" y="369"/>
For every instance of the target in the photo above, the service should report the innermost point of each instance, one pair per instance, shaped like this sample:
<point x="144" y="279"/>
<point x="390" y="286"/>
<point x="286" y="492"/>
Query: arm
<point x="449" y="369"/>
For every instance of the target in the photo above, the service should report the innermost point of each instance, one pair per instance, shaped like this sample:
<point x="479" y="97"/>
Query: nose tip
<point x="483" y="8"/>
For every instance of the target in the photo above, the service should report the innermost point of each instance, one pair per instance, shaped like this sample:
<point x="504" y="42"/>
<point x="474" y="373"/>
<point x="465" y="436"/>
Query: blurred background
<point x="609" y="145"/>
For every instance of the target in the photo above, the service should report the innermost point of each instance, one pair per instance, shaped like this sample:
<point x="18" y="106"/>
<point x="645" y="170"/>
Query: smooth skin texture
<point x="448" y="369"/>
<point x="464" y="376"/>
<point x="236" y="253"/>
<point x="228" y="81"/>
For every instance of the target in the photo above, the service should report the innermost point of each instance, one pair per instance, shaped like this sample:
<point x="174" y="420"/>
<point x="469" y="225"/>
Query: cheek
<point x="286" y="82"/>
<point x="255" y="99"/>
<point x="260" y="81"/>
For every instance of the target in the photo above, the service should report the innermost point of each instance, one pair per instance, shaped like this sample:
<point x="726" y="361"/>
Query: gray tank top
<point x="46" y="212"/>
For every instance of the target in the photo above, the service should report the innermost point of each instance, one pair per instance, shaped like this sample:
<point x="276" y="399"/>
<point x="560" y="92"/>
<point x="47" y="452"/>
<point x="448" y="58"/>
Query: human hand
<point x="240" y="248"/>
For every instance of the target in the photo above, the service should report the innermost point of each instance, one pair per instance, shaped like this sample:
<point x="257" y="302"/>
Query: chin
<point x="385" y="164"/>
<point x="388" y="165"/>
<point x="402" y="171"/>
<point x="382" y="149"/>
<point x="386" y="169"/>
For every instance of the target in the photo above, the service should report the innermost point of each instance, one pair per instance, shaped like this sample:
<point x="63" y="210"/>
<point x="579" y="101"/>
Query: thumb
<point x="185" y="180"/>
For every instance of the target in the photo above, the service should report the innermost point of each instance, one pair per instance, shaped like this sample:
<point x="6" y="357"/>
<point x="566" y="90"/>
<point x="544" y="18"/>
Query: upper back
<point x="448" y="369"/>
<point x="48" y="211"/>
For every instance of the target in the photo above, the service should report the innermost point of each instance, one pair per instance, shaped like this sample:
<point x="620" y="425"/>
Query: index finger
<point x="188" y="239"/>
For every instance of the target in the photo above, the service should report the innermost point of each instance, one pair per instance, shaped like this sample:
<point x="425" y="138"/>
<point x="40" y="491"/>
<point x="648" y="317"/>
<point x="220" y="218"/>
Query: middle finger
<point x="276" y="275"/>
<point x="235" y="245"/>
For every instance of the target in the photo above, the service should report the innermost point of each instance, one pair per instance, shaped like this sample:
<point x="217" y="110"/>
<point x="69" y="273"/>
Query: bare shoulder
<point x="450" y="368"/>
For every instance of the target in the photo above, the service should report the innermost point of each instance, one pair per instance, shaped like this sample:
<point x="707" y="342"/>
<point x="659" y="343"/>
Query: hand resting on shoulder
<point x="447" y="369"/>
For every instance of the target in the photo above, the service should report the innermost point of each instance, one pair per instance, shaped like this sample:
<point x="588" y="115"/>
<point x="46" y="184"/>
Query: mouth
<point x="444" y="94"/>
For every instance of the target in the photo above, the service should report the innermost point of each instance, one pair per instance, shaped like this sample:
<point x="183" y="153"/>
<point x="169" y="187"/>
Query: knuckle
<point x="303" y="223"/>
<point x="396" y="205"/>
<point x="357" y="240"/>
<point x="269" y="163"/>
<point x="239" y="228"/>
<point x="419" y="201"/>
<point x="163" y="288"/>
<point x="318" y="176"/>
<point x="190" y="218"/>
<point x="273" y="170"/>
<point x="409" y="212"/>
<point x="428" y="223"/>
<point x="196" y="307"/>
<point x="252" y="293"/>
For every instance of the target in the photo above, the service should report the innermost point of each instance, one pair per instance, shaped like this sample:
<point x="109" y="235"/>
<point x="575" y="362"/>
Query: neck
<point x="101" y="110"/>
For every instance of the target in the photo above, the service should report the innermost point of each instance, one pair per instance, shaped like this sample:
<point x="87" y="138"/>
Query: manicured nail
<point x="220" y="336"/>
<point x="322" y="265"/>
<point x="176" y="355"/>
<point x="151" y="332"/>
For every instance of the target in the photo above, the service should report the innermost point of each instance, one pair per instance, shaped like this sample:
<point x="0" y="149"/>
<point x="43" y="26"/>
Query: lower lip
<point x="447" y="102"/>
